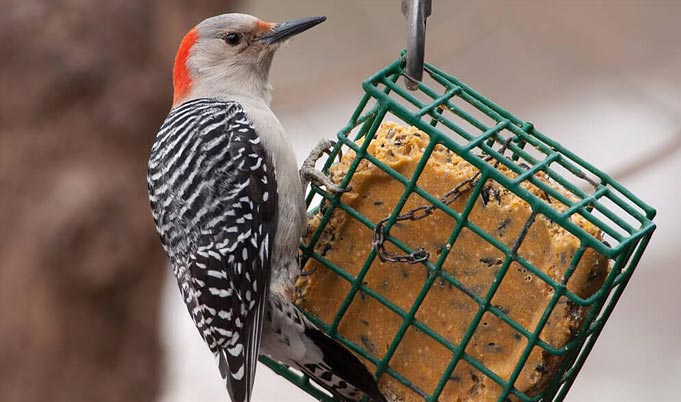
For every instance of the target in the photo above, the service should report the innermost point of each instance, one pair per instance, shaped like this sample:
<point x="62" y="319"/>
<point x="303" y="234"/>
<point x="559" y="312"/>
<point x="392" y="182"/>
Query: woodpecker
<point x="227" y="199"/>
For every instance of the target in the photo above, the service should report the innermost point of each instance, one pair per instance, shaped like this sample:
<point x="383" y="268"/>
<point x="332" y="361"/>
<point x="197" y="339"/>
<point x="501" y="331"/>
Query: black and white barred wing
<point x="217" y="220"/>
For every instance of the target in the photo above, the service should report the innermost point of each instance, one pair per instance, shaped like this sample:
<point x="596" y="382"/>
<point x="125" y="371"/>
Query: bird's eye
<point x="232" y="39"/>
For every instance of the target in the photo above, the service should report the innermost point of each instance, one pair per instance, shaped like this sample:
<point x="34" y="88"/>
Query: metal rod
<point x="416" y="12"/>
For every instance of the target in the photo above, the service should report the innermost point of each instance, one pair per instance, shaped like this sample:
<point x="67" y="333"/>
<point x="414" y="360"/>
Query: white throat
<point x="233" y="81"/>
<point x="227" y="88"/>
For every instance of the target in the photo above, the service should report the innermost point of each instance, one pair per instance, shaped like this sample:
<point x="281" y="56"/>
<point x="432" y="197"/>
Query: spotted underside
<point x="213" y="195"/>
<point x="313" y="352"/>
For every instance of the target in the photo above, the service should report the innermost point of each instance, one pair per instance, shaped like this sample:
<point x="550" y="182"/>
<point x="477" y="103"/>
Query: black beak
<point x="285" y="30"/>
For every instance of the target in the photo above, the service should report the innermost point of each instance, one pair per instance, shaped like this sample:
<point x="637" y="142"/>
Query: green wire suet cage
<point x="479" y="131"/>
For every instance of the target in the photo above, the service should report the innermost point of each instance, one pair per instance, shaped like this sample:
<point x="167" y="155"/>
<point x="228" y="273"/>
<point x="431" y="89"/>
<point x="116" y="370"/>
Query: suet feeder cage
<point x="487" y="137"/>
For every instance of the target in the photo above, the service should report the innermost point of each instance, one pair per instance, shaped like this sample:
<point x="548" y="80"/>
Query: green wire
<point x="625" y="220"/>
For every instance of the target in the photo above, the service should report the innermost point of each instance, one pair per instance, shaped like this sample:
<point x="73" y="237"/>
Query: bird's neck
<point x="232" y="83"/>
<point x="253" y="89"/>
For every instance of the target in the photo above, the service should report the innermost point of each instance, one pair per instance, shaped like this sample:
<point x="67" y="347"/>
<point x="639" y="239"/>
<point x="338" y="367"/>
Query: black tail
<point x="341" y="373"/>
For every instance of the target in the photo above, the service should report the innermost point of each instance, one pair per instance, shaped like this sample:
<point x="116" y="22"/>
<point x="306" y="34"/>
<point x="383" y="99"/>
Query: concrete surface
<point x="601" y="77"/>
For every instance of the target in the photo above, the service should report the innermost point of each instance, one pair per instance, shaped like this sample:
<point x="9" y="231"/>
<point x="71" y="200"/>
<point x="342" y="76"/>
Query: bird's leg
<point x="309" y="174"/>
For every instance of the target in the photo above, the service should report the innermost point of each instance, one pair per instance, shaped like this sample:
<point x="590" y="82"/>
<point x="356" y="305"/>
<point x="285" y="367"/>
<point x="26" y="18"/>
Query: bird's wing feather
<point x="230" y="215"/>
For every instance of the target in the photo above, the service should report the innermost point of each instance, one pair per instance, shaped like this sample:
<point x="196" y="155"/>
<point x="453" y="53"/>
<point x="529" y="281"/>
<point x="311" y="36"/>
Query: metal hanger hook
<point x="416" y="12"/>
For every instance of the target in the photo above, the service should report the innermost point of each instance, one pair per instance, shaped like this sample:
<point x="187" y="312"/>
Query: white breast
<point x="292" y="216"/>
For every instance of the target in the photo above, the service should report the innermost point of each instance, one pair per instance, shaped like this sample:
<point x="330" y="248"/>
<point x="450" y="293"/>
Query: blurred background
<point x="87" y="307"/>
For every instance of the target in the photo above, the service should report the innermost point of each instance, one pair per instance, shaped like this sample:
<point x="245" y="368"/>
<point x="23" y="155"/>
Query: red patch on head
<point x="182" y="81"/>
<point x="263" y="26"/>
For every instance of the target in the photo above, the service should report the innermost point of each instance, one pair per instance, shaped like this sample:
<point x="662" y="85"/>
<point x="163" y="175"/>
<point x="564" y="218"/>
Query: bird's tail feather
<point x="341" y="372"/>
<point x="237" y="385"/>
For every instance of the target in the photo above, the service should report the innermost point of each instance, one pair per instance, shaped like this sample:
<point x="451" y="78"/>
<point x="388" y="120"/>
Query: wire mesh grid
<point x="486" y="136"/>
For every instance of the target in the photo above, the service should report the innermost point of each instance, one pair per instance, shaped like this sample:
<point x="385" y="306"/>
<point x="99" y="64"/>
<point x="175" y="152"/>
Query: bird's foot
<point x="323" y="147"/>
<point x="310" y="174"/>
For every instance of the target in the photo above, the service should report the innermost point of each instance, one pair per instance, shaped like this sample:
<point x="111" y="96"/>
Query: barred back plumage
<point x="213" y="195"/>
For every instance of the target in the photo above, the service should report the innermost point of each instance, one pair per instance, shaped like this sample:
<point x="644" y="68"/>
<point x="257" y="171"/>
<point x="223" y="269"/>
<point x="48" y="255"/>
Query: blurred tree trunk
<point x="84" y="87"/>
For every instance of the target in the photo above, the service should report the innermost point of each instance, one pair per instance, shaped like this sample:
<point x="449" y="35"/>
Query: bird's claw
<point x="314" y="176"/>
<point x="309" y="174"/>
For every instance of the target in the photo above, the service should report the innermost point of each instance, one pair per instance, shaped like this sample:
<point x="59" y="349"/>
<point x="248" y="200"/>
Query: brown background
<point x="85" y="85"/>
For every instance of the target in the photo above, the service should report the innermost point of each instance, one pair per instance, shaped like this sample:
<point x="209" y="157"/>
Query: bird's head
<point x="230" y="55"/>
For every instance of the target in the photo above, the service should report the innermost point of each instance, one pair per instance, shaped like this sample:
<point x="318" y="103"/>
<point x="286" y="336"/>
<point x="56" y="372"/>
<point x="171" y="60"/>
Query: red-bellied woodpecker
<point x="227" y="199"/>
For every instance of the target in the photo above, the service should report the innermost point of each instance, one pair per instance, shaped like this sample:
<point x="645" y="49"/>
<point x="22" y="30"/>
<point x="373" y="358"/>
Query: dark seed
<point x="455" y="378"/>
<point x="493" y="347"/>
<point x="491" y="261"/>
<point x="501" y="229"/>
<point x="368" y="345"/>
<point x="484" y="195"/>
